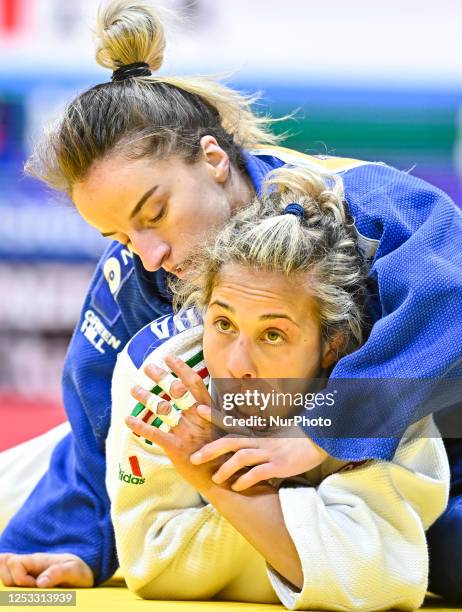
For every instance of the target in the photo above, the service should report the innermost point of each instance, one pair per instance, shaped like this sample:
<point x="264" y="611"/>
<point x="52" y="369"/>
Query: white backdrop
<point x="392" y="42"/>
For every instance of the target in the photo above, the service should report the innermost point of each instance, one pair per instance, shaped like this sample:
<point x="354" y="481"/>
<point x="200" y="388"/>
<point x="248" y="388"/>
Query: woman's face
<point x="263" y="325"/>
<point x="162" y="209"/>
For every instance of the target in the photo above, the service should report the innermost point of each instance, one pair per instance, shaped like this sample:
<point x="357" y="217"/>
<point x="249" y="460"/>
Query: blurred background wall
<point x="370" y="79"/>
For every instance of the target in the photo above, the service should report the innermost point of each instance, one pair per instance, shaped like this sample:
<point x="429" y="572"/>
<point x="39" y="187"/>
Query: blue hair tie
<point x="294" y="209"/>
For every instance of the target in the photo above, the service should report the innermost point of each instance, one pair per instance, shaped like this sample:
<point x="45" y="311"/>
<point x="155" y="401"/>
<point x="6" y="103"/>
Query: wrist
<point x="218" y="493"/>
<point x="210" y="491"/>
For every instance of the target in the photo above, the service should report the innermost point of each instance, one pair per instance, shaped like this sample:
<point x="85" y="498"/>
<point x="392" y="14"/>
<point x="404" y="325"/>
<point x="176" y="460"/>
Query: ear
<point x="332" y="350"/>
<point x="217" y="160"/>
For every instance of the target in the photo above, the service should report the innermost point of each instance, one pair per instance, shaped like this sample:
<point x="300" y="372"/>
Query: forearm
<point x="257" y="515"/>
<point x="170" y="544"/>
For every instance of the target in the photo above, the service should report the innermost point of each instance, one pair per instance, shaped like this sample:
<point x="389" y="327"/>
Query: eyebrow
<point x="222" y="304"/>
<point x="138" y="206"/>
<point x="142" y="201"/>
<point x="265" y="317"/>
<point x="278" y="315"/>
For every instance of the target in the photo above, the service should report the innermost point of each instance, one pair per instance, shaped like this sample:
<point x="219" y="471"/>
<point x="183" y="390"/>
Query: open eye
<point x="272" y="336"/>
<point x="224" y="326"/>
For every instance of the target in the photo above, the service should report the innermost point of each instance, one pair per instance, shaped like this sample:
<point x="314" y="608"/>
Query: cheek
<point x="309" y="359"/>
<point x="299" y="361"/>
<point x="189" y="222"/>
<point x="196" y="213"/>
<point x="207" y="347"/>
<point x="213" y="354"/>
<point x="211" y="205"/>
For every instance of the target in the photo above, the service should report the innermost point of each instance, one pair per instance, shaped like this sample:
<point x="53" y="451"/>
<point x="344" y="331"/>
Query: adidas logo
<point x="136" y="477"/>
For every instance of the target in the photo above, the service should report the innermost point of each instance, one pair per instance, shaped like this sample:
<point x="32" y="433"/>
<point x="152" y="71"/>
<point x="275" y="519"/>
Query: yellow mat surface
<point x="113" y="596"/>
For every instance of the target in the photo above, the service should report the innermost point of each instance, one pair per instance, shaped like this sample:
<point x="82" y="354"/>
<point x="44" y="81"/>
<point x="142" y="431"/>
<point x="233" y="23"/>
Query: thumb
<point x="72" y="573"/>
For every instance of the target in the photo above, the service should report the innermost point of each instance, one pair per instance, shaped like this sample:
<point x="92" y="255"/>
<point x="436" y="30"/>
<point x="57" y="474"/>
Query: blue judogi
<point x="410" y="232"/>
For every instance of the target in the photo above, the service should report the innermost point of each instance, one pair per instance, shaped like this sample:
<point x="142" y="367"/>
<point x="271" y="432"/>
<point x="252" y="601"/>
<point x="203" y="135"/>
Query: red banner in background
<point x="11" y="12"/>
<point x="24" y="418"/>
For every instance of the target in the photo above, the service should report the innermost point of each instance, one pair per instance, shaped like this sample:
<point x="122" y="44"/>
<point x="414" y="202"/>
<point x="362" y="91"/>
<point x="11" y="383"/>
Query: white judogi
<point x="359" y="529"/>
<point x="22" y="466"/>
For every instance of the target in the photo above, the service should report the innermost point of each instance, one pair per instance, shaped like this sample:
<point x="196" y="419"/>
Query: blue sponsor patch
<point x="116" y="269"/>
<point x="104" y="302"/>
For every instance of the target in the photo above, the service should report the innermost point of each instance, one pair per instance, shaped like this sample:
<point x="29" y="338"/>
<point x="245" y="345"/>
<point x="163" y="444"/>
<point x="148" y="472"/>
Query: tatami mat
<point x="113" y="596"/>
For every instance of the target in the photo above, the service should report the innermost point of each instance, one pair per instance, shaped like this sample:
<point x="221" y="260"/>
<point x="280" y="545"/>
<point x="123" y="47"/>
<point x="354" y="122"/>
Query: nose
<point x="150" y="249"/>
<point x="240" y="361"/>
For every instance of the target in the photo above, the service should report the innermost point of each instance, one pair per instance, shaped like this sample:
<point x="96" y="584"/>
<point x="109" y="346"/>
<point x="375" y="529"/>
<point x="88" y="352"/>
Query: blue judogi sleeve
<point x="416" y="232"/>
<point x="68" y="511"/>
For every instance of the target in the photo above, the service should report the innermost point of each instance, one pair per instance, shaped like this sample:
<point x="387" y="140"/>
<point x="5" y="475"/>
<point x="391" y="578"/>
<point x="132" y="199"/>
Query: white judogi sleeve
<point x="171" y="543"/>
<point x="21" y="468"/>
<point x="359" y="532"/>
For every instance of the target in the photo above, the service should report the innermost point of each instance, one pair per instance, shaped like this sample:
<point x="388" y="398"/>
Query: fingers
<point x="243" y="458"/>
<point x="5" y="574"/>
<point x="72" y="573"/>
<point x="153" y="434"/>
<point x="205" y="412"/>
<point x="161" y="408"/>
<point x="51" y="570"/>
<point x="257" y="474"/>
<point x="191" y="379"/>
<point x="186" y="391"/>
<point x="143" y="396"/>
<point x="219" y="447"/>
<point x="18" y="572"/>
<point x="174" y="387"/>
<point x="168" y="383"/>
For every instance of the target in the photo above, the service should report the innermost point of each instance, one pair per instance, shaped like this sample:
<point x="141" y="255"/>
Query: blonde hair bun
<point x="129" y="32"/>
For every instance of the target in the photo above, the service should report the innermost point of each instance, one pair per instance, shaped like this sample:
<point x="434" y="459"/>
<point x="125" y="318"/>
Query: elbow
<point x="140" y="586"/>
<point x="144" y="591"/>
<point x="147" y="588"/>
<point x="173" y="586"/>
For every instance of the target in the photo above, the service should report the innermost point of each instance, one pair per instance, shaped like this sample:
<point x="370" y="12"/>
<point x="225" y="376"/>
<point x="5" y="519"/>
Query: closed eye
<point x="159" y="216"/>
